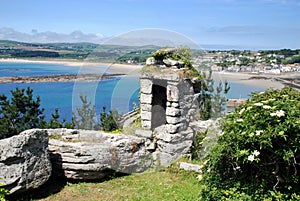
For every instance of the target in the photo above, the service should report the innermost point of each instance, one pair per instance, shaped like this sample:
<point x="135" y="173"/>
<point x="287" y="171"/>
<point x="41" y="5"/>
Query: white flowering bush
<point x="258" y="155"/>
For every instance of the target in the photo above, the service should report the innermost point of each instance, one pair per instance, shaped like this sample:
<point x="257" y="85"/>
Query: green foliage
<point x="3" y="193"/>
<point x="198" y="144"/>
<point x="257" y="157"/>
<point x="109" y="120"/>
<point x="284" y="52"/>
<point x="179" y="54"/>
<point x="219" y="100"/>
<point x="56" y="123"/>
<point x="212" y="103"/>
<point x="294" y="59"/>
<point x="20" y="113"/>
<point x="85" y="118"/>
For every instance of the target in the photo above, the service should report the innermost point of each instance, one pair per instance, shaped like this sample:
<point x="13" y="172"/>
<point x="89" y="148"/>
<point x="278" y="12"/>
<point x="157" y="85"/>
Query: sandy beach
<point x="244" y="78"/>
<point x="86" y="66"/>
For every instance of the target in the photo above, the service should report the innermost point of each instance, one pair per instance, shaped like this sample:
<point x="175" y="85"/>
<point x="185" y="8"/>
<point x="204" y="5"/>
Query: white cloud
<point x="49" y="37"/>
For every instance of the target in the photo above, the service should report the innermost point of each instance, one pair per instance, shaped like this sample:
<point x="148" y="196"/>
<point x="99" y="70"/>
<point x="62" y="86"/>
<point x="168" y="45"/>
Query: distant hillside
<point x="77" y="51"/>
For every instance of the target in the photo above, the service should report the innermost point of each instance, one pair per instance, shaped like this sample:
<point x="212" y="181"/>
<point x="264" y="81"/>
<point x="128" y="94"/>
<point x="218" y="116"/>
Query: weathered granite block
<point x="146" y="86"/>
<point x="171" y="111"/>
<point x="146" y="124"/>
<point x="144" y="133"/>
<point x="173" y="120"/>
<point x="146" y="115"/>
<point x="24" y="161"/>
<point x="172" y="93"/>
<point x="146" y="107"/>
<point x="146" y="98"/>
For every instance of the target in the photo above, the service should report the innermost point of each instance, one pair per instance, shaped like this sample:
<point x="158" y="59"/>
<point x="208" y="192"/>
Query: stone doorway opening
<point x="159" y="104"/>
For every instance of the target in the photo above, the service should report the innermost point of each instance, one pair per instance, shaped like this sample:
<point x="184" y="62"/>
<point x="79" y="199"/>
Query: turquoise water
<point x="118" y="93"/>
<point x="35" y="69"/>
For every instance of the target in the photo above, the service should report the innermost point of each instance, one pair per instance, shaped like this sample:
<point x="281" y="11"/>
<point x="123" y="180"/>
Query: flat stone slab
<point x="190" y="167"/>
<point x="90" y="155"/>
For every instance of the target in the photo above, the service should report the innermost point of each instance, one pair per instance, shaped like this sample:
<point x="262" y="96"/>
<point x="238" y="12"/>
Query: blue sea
<point x="118" y="93"/>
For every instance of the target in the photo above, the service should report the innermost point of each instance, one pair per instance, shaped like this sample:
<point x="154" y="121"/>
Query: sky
<point x="229" y="24"/>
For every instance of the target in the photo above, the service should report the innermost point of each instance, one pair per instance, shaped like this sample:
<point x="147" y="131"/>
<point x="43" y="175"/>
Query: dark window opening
<point x="159" y="103"/>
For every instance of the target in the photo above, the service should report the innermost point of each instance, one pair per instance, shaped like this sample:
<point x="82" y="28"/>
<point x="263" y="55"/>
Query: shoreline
<point x="113" y="68"/>
<point x="262" y="81"/>
<point x="87" y="67"/>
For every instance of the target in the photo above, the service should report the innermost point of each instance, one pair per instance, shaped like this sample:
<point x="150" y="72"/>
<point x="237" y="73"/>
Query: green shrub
<point x="3" y="193"/>
<point x="258" y="154"/>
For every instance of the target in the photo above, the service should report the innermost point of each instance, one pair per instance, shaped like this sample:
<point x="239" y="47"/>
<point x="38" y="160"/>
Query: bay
<point x="116" y="93"/>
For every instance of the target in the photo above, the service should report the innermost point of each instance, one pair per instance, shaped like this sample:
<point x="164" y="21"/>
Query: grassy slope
<point x="167" y="184"/>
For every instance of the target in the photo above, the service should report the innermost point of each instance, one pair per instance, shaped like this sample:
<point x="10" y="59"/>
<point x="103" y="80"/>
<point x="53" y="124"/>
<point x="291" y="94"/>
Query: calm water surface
<point x="118" y="93"/>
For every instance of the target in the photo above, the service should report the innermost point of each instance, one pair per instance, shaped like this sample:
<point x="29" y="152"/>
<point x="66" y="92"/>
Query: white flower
<point x="258" y="132"/>
<point x="258" y="104"/>
<point x="272" y="99"/>
<point x="239" y="120"/>
<point x="265" y="101"/>
<point x="256" y="153"/>
<point x="242" y="111"/>
<point x="261" y="92"/>
<point x="249" y="108"/>
<point x="251" y="158"/>
<point x="279" y="113"/>
<point x="199" y="177"/>
<point x="267" y="107"/>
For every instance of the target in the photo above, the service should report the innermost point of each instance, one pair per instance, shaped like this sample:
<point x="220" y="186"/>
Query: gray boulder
<point x="150" y="61"/>
<point x="24" y="161"/>
<point x="90" y="155"/>
<point x="171" y="62"/>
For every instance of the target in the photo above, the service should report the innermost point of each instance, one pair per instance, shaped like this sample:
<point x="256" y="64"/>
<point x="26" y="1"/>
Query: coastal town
<point x="257" y="62"/>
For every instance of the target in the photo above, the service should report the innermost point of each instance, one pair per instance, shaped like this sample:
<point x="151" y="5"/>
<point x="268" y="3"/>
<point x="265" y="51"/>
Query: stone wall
<point x="181" y="105"/>
<point x="172" y="137"/>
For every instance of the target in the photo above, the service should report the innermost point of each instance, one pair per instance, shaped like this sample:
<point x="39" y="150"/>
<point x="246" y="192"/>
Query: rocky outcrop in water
<point x="57" y="78"/>
<point x="24" y="161"/>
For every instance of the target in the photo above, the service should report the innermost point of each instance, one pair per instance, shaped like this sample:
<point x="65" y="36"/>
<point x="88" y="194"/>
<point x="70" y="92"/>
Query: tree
<point x="206" y="90"/>
<point x="218" y="100"/>
<point x="109" y="120"/>
<point x="55" y="123"/>
<point x="20" y="113"/>
<point x="211" y="103"/>
<point x="85" y="118"/>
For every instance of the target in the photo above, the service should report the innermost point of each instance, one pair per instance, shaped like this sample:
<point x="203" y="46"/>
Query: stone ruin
<point x="169" y="103"/>
<point x="169" y="114"/>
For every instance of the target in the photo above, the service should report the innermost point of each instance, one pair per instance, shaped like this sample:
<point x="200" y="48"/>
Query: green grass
<point x="167" y="184"/>
<point x="55" y="136"/>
